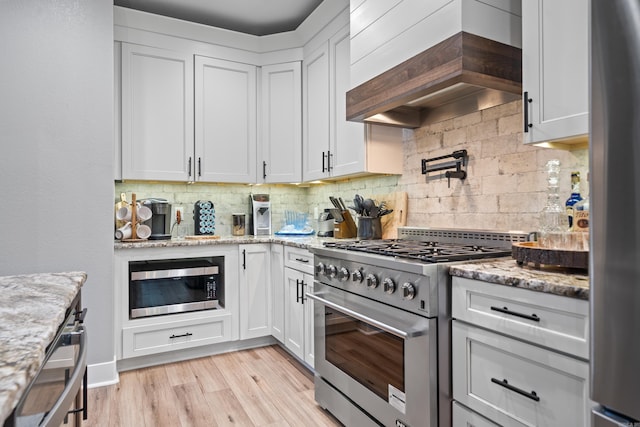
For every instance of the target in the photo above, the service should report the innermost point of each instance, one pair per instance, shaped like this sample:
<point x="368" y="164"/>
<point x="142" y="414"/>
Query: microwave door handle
<point x="359" y="316"/>
<point x="56" y="415"/>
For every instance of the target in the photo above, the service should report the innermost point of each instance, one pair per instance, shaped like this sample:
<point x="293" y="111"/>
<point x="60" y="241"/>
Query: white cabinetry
<point x="157" y="113"/>
<point x="332" y="146"/>
<point x="298" y="318"/>
<point x="555" y="70"/>
<point x="277" y="291"/>
<point x="519" y="358"/>
<point x="280" y="147"/>
<point x="164" y="139"/>
<point x="225" y="121"/>
<point x="150" y="336"/>
<point x="255" y="290"/>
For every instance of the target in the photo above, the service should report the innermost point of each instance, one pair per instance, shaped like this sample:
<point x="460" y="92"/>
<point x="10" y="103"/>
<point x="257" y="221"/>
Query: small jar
<point x="238" y="224"/>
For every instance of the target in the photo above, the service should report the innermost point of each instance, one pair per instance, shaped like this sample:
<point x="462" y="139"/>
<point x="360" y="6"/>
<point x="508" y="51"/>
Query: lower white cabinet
<point x="277" y="291"/>
<point x="175" y="335"/>
<point x="510" y="372"/>
<point x="298" y="309"/>
<point x="464" y="417"/>
<point x="516" y="383"/>
<point x="255" y="290"/>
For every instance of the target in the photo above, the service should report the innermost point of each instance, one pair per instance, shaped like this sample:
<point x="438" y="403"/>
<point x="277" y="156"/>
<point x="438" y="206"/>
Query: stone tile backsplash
<point x="505" y="188"/>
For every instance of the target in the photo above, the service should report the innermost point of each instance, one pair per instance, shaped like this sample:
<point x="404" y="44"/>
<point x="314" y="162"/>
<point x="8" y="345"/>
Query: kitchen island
<point x="32" y="308"/>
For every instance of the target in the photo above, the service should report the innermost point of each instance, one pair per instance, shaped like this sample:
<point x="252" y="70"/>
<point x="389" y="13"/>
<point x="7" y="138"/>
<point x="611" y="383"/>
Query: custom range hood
<point x="460" y="75"/>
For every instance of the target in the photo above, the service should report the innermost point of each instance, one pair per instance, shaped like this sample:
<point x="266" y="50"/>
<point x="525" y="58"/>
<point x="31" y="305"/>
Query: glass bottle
<point x="553" y="218"/>
<point x="574" y="197"/>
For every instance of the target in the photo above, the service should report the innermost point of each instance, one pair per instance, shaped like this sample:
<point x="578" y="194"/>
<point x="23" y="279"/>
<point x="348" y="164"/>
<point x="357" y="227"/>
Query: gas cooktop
<point x="424" y="251"/>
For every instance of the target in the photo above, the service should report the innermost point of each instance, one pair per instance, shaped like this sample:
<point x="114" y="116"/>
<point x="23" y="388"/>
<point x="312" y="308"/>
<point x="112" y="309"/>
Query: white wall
<point x="56" y="164"/>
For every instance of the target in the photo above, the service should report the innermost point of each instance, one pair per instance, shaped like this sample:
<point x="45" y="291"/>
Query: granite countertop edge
<point x="303" y="242"/>
<point x="32" y="307"/>
<point x="557" y="281"/>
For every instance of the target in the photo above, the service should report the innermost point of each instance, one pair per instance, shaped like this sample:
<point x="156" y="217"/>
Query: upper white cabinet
<point x="225" y="121"/>
<point x="280" y="148"/>
<point x="555" y="70"/>
<point x="315" y="123"/>
<point x="157" y="113"/>
<point x="332" y="146"/>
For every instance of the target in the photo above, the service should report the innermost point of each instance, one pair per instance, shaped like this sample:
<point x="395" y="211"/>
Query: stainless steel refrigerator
<point x="614" y="156"/>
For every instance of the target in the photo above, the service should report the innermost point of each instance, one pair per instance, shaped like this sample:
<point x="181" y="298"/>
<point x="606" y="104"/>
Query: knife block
<point x="346" y="229"/>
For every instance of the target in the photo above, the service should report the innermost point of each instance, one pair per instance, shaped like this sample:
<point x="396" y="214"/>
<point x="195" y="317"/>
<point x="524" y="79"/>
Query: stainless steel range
<point x="382" y="319"/>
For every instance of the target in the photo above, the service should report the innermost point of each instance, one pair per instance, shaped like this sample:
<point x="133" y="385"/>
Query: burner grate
<point x="424" y="251"/>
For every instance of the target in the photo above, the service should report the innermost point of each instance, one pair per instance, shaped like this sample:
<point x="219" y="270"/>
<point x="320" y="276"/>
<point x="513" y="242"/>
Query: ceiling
<point x="257" y="17"/>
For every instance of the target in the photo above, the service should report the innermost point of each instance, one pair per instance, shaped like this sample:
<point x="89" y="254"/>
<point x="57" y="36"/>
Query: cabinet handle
<point x="302" y="260"/>
<point x="189" y="167"/>
<point x="188" y="334"/>
<point x="199" y="166"/>
<point x="329" y="156"/>
<point x="526" y="105"/>
<point x="302" y="293"/>
<point x="505" y="310"/>
<point x="264" y="170"/>
<point x="244" y="259"/>
<point x="297" y="290"/>
<point x="323" y="167"/>
<point x="505" y="384"/>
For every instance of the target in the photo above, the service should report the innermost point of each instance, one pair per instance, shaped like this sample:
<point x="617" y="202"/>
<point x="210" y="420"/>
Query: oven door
<point x="381" y="358"/>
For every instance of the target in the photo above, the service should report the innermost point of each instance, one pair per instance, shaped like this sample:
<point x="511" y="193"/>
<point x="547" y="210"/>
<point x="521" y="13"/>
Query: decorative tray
<point x="531" y="253"/>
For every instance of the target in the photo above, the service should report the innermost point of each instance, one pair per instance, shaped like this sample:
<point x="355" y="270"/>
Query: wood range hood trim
<point x="460" y="75"/>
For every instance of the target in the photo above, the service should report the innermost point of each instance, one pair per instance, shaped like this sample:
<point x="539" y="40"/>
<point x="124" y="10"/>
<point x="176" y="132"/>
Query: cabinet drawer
<point x="557" y="322"/>
<point x="298" y="259"/>
<point x="161" y="337"/>
<point x="464" y="417"/>
<point x="514" y="383"/>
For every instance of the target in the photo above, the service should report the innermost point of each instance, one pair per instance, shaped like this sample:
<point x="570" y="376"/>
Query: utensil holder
<point x="369" y="228"/>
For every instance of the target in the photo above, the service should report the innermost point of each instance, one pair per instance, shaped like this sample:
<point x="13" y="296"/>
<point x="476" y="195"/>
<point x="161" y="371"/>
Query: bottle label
<point x="580" y="220"/>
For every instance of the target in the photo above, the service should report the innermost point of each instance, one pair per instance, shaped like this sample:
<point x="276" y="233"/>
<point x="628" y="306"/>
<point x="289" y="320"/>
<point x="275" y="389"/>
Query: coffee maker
<point x="260" y="215"/>
<point x="160" y="221"/>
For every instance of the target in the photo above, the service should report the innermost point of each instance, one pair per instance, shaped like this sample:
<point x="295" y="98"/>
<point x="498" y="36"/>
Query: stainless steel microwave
<point x="161" y="287"/>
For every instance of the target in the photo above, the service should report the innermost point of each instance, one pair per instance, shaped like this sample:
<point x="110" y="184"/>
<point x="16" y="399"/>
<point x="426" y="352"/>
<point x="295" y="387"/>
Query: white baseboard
<point x="102" y="374"/>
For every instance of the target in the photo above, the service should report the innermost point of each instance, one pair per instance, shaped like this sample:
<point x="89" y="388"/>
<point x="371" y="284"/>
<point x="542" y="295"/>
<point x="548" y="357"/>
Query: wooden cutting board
<point x="398" y="201"/>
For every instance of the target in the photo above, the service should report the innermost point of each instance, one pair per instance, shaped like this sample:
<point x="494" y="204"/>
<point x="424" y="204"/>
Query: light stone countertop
<point x="304" y="242"/>
<point x="32" y="307"/>
<point x="558" y="281"/>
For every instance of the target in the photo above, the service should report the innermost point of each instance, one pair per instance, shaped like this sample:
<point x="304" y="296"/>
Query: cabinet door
<point x="281" y="142"/>
<point x="315" y="123"/>
<point x="277" y="291"/>
<point x="225" y="121"/>
<point x="294" y="312"/>
<point x="255" y="292"/>
<point x="157" y="113"/>
<point x="347" y="138"/>
<point x="309" y="350"/>
<point x="555" y="69"/>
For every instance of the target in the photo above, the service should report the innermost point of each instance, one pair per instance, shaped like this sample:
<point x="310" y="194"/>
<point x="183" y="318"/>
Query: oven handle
<point x="59" y="411"/>
<point x="390" y="329"/>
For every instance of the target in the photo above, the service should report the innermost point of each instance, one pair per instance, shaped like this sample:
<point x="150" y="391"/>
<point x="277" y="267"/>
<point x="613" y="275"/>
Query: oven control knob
<point x="331" y="271"/>
<point x="357" y="276"/>
<point x="320" y="269"/>
<point x="408" y="291"/>
<point x="372" y="281"/>
<point x="343" y="274"/>
<point x="388" y="285"/>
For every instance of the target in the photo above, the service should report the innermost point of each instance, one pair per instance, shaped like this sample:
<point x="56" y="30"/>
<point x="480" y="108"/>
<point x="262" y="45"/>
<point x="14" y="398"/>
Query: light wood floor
<point x="259" y="387"/>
